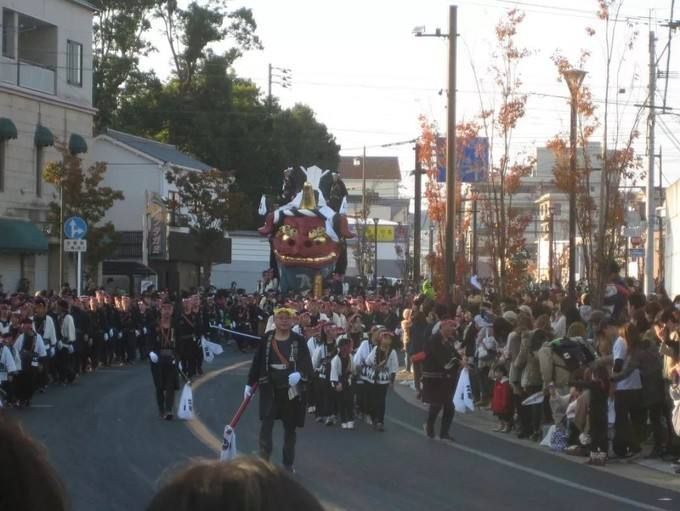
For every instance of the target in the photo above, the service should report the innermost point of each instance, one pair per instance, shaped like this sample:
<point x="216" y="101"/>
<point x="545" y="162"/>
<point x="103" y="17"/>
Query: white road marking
<point x="534" y="472"/>
<point x="41" y="406"/>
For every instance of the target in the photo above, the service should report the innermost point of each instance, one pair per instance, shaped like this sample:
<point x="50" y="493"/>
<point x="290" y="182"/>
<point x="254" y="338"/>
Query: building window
<point x="39" y="158"/>
<point x="74" y="63"/>
<point x="8" y="34"/>
<point x="3" y="152"/>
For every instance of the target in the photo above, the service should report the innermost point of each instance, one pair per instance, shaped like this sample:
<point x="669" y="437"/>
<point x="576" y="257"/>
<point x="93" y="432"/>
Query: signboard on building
<point x="472" y="159"/>
<point x="386" y="233"/>
<point x="157" y="214"/>
<point x="637" y="252"/>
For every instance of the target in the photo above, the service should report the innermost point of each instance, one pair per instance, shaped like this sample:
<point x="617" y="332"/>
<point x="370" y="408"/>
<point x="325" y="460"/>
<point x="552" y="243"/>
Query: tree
<point x="189" y="32"/>
<point x="205" y="198"/>
<point x="84" y="197"/>
<point x="120" y="27"/>
<point x="599" y="218"/>
<point x="505" y="223"/>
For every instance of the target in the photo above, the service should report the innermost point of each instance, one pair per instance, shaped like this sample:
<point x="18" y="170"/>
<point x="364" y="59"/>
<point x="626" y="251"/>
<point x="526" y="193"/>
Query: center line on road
<point x="537" y="473"/>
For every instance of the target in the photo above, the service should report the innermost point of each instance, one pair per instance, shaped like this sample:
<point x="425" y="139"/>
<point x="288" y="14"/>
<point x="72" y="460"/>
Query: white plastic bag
<point x="186" y="404"/>
<point x="462" y="398"/>
<point x="611" y="412"/>
<point x="228" y="451"/>
<point x="210" y="349"/>
<point x="548" y="437"/>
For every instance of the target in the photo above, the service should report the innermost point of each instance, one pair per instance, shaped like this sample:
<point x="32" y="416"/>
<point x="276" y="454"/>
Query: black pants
<point x="25" y="384"/>
<point x="530" y="417"/>
<point x="378" y="396"/>
<point x="328" y="399"/>
<point x="165" y="399"/>
<point x="65" y="366"/>
<point x="655" y="413"/>
<point x="345" y="400"/>
<point x="361" y="392"/>
<point x="448" y="412"/>
<point x="629" y="421"/>
<point x="267" y="443"/>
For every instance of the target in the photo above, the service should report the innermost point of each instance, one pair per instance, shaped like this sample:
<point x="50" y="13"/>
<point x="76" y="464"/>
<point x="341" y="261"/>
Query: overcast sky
<point x="357" y="64"/>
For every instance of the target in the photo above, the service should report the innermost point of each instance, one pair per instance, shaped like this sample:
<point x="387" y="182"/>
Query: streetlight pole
<point x="375" y="258"/>
<point x="574" y="79"/>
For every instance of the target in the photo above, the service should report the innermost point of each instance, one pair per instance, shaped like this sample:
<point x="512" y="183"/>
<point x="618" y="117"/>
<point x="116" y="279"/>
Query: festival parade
<point x="308" y="255"/>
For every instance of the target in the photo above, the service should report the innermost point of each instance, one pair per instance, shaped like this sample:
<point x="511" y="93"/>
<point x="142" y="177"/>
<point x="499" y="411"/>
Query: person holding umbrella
<point x="281" y="369"/>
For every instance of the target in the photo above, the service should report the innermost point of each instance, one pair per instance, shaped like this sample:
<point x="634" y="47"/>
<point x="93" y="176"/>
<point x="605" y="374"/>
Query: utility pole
<point x="449" y="251"/>
<point x="662" y="247"/>
<point x="651" y="210"/>
<point x="475" y="238"/>
<point x="551" y="246"/>
<point x="269" y="86"/>
<point x="416" y="218"/>
<point x="364" y="213"/>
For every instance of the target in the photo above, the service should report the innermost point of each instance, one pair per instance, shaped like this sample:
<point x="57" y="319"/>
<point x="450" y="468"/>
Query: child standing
<point x="501" y="402"/>
<point x="341" y="378"/>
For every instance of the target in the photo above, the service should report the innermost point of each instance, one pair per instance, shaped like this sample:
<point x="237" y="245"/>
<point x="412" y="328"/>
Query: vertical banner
<point x="156" y="211"/>
<point x="473" y="159"/>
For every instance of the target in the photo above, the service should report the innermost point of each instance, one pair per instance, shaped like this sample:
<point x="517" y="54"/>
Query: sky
<point x="359" y="66"/>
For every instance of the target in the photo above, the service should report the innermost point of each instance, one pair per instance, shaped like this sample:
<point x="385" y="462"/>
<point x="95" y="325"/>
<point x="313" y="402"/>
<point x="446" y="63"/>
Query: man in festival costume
<point x="281" y="367"/>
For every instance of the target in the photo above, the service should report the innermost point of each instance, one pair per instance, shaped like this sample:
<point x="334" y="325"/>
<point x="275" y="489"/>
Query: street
<point x="105" y="438"/>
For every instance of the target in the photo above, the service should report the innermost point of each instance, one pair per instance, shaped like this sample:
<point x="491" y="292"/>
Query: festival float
<point x="307" y="233"/>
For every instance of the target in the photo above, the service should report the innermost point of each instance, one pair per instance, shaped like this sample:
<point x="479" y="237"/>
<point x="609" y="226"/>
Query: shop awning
<point x="21" y="237"/>
<point x="77" y="144"/>
<point x="8" y="131"/>
<point x="43" y="137"/>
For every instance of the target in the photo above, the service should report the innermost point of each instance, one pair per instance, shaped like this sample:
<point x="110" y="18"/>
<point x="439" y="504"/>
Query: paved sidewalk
<point x="651" y="471"/>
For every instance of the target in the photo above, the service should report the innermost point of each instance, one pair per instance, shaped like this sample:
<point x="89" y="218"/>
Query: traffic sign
<point x="75" y="245"/>
<point x="637" y="252"/>
<point x="635" y="240"/>
<point x="75" y="228"/>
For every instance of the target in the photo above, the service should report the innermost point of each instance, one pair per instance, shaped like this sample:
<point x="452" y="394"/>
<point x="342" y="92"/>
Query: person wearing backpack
<point x="563" y="360"/>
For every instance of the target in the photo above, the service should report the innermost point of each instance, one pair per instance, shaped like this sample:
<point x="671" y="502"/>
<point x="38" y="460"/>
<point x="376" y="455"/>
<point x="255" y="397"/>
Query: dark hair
<point x="501" y="369"/>
<point x="637" y="300"/>
<point x="23" y="463"/>
<point x="640" y="320"/>
<point x="664" y="317"/>
<point x="243" y="484"/>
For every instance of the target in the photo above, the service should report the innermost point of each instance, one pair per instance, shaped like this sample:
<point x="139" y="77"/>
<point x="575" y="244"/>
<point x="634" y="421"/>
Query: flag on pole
<point x="229" y="438"/>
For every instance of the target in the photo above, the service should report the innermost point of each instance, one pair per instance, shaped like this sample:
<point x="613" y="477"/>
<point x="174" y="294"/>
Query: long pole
<point x="61" y="234"/>
<point x="79" y="276"/>
<point x="449" y="252"/>
<point x="375" y="263"/>
<point x="475" y="239"/>
<point x="551" y="249"/>
<point x="269" y="87"/>
<point x="572" y="201"/>
<point x="651" y="124"/>
<point x="662" y="248"/>
<point x="416" y="218"/>
<point x="364" y="213"/>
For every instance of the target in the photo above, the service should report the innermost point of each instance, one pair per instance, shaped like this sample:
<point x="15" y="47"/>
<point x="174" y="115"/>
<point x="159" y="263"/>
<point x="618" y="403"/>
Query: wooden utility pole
<point x="450" y="235"/>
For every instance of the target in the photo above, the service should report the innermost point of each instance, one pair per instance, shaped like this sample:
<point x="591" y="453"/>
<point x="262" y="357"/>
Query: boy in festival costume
<point x="321" y="361"/>
<point x="341" y="380"/>
<point x="282" y="368"/>
<point x="383" y="365"/>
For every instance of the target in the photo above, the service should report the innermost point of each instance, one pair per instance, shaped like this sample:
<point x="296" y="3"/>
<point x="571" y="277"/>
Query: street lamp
<point x="375" y="258"/>
<point x="574" y="79"/>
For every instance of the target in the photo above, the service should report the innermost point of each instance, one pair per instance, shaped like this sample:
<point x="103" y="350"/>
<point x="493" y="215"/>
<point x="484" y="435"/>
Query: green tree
<point x="83" y="196"/>
<point x="120" y="27"/>
<point x="204" y="197"/>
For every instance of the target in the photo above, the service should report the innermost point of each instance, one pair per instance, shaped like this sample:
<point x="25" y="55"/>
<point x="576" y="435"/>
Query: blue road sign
<point x="75" y="228"/>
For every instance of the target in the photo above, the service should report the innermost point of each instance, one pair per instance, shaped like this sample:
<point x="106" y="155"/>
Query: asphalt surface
<point x="107" y="442"/>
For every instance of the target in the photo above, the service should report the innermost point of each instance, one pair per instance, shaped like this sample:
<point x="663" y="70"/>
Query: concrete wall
<point x="249" y="256"/>
<point x="672" y="239"/>
<point x="136" y="177"/>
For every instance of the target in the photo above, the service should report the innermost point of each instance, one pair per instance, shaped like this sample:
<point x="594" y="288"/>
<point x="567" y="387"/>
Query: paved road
<point x="105" y="438"/>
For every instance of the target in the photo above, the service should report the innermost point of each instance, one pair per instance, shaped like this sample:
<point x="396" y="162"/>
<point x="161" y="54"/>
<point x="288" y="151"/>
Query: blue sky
<point x="357" y="64"/>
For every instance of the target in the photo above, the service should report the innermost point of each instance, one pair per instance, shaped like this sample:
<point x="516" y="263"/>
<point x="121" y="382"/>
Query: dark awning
<point x="128" y="268"/>
<point x="21" y="237"/>
<point x="43" y="137"/>
<point x="77" y="144"/>
<point x="8" y="130"/>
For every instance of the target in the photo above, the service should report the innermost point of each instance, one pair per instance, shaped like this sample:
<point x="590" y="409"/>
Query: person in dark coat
<point x="281" y="368"/>
<point x="164" y="364"/>
<point x="416" y="348"/>
<point x="440" y="376"/>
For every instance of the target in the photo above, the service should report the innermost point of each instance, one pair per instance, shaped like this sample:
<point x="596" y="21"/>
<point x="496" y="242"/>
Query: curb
<point x="653" y="472"/>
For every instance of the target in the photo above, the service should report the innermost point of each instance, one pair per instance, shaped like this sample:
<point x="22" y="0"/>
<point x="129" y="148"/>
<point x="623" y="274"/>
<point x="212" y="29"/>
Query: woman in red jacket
<point x="501" y="402"/>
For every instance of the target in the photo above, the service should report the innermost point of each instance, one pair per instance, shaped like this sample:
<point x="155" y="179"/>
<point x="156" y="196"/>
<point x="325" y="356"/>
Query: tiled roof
<point x="377" y="167"/>
<point x="157" y="150"/>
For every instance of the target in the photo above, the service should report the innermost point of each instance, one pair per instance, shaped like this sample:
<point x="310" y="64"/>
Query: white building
<point x="154" y="245"/>
<point x="45" y="98"/>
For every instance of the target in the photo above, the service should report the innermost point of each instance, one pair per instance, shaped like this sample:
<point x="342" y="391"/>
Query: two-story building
<point x="45" y="100"/>
<point x="154" y="244"/>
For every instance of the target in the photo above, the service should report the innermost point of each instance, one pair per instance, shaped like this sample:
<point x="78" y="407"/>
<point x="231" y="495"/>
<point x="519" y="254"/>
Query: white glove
<point x="70" y="348"/>
<point x="106" y="337"/>
<point x="247" y="392"/>
<point x="145" y="331"/>
<point x="60" y="345"/>
<point x="153" y="357"/>
<point x="111" y="332"/>
<point x="120" y="335"/>
<point x="51" y="352"/>
<point x="294" y="378"/>
<point x="136" y="333"/>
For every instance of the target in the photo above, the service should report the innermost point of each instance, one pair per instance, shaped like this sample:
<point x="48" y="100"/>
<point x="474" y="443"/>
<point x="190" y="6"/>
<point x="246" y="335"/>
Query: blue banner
<point x="473" y="160"/>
